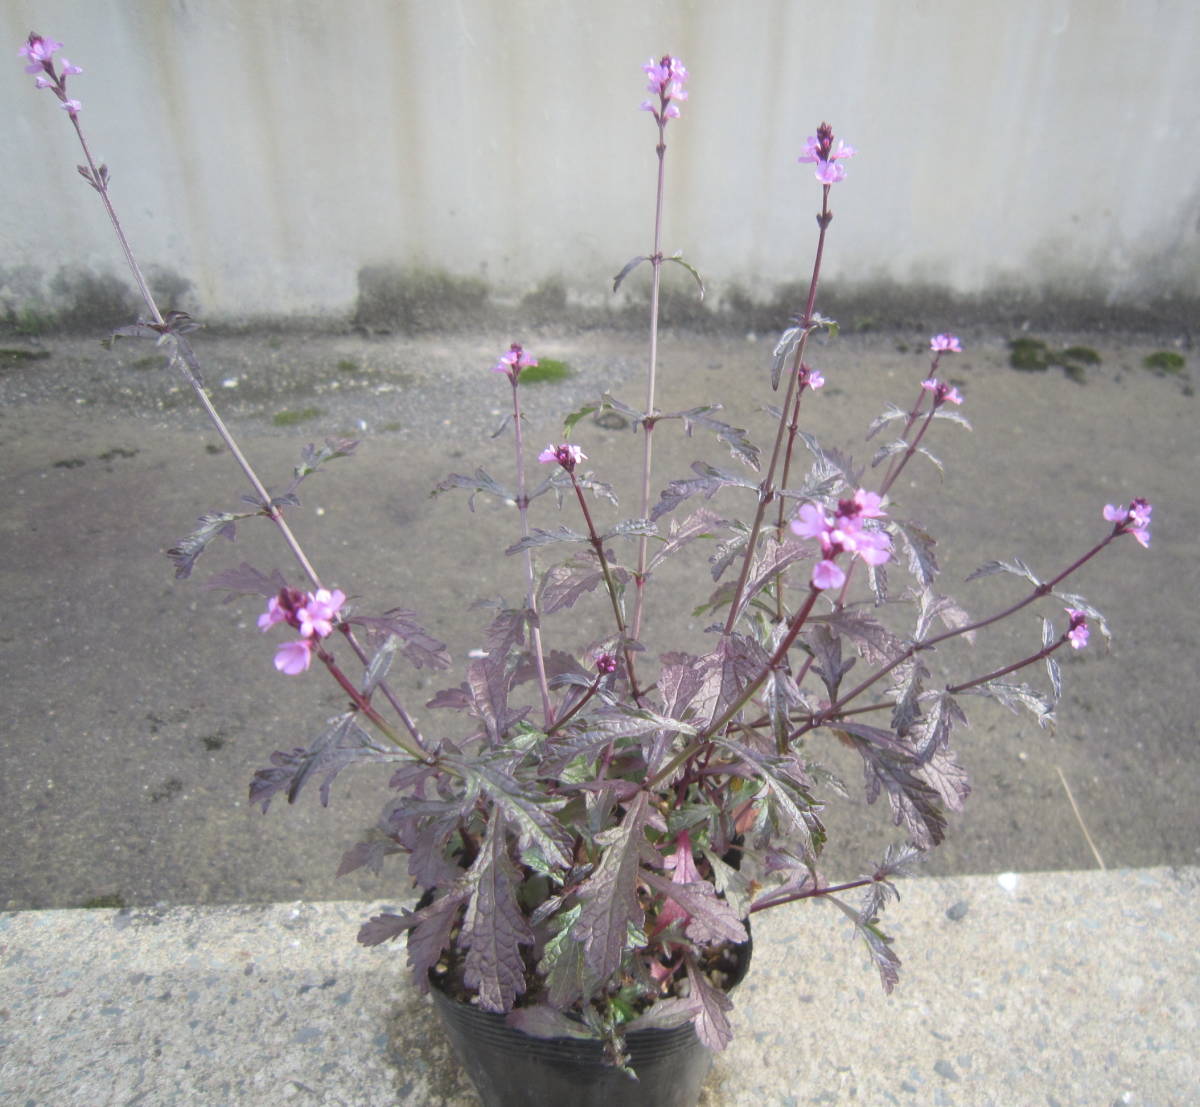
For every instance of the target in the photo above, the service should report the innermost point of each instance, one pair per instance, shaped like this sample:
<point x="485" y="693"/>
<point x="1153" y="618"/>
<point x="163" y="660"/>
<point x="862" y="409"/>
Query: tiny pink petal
<point x="274" y="614"/>
<point x="829" y="172"/>
<point x="294" y="657"/>
<point x="810" y="522"/>
<point x="874" y="547"/>
<point x="826" y="574"/>
<point x="869" y="504"/>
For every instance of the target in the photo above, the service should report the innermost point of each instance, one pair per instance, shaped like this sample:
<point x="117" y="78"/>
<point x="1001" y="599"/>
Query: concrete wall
<point x="267" y="150"/>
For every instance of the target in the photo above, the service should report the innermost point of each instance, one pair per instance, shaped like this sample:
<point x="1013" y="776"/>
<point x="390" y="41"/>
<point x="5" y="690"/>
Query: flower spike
<point x="819" y="150"/>
<point x="667" y="76"/>
<point x="568" y="455"/>
<point x="40" y="52"/>
<point x="1135" y="520"/>
<point x="513" y="360"/>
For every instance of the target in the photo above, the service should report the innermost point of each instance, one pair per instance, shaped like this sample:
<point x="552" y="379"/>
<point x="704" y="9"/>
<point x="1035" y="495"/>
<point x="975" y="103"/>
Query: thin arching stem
<point x="185" y="360"/>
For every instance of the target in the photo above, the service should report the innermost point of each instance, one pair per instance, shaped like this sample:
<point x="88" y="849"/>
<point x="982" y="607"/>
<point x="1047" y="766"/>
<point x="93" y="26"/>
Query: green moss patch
<point x="291" y="418"/>
<point x="1032" y="355"/>
<point x="1083" y="355"/>
<point x="1164" y="361"/>
<point x="547" y="369"/>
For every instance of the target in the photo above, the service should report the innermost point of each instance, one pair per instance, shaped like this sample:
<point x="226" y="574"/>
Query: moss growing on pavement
<point x="291" y="418"/>
<point x="1164" y="361"/>
<point x="547" y="369"/>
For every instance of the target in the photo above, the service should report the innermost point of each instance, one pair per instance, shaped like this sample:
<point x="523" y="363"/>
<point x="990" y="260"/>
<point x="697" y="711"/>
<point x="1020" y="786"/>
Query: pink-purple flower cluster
<point x="819" y="150"/>
<point x="941" y="392"/>
<point x="811" y="377"/>
<point x="1077" y="632"/>
<point x="311" y="613"/>
<point x="513" y="361"/>
<point x="945" y="344"/>
<point x="40" y="52"/>
<point x="568" y="455"/>
<point x="1135" y="520"/>
<point x="667" y="75"/>
<point x="844" y="532"/>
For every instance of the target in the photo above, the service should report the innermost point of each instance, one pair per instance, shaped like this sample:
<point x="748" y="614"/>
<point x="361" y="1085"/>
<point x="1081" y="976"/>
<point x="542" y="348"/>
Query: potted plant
<point x="590" y="827"/>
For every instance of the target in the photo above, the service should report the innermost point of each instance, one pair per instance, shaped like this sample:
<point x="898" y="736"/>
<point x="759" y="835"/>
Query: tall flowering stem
<point x="666" y="80"/>
<point x="511" y="364"/>
<point x="819" y="148"/>
<point x="170" y="328"/>
<point x="569" y="456"/>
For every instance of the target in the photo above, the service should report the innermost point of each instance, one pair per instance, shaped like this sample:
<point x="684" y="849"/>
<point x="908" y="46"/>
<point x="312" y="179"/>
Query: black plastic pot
<point x="512" y="1069"/>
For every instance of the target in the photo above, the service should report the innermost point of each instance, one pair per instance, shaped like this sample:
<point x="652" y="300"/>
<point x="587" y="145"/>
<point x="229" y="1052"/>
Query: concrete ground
<point x="136" y="708"/>
<point x="1055" y="989"/>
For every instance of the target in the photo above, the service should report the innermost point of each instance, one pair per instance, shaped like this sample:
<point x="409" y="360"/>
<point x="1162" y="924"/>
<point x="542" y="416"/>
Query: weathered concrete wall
<point x="268" y="150"/>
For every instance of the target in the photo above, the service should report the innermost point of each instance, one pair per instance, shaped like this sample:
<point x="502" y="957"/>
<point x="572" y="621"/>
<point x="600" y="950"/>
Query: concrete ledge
<point x="1049" y="988"/>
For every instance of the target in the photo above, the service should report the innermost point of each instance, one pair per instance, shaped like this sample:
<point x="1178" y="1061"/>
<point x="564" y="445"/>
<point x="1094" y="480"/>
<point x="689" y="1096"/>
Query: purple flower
<point x="829" y="172"/>
<point x="317" y="614"/>
<point x="826" y="574"/>
<point x="1135" y="520"/>
<point x="282" y="608"/>
<point x="1077" y="632"/>
<point x="811" y="377"/>
<point x="294" y="657"/>
<point x="941" y="392"/>
<point x="844" y="533"/>
<point x="819" y="150"/>
<point x="667" y="75"/>
<point x="274" y="614"/>
<point x="811" y="522"/>
<point x="945" y="344"/>
<point x="868" y="504"/>
<point x="40" y="53"/>
<point x="312" y="614"/>
<point x="568" y="455"/>
<point x="513" y="361"/>
<point x="606" y="663"/>
<point x="39" y="50"/>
